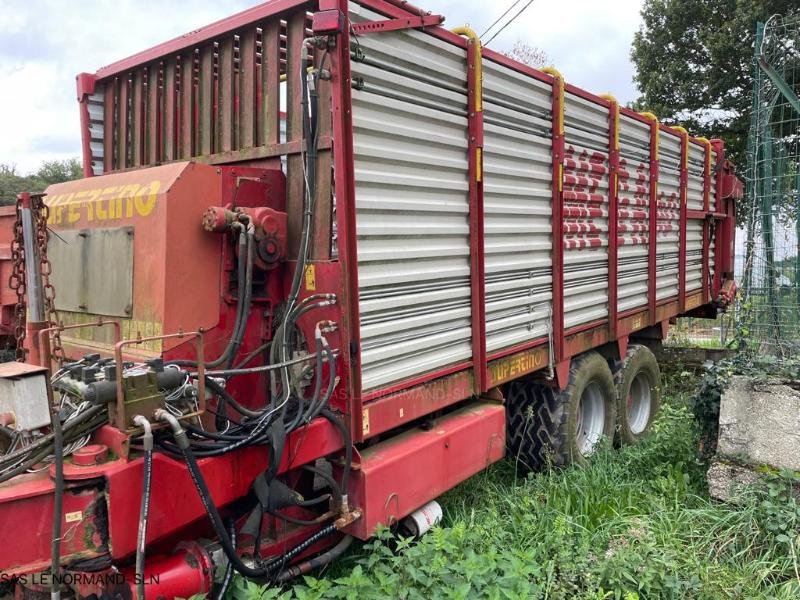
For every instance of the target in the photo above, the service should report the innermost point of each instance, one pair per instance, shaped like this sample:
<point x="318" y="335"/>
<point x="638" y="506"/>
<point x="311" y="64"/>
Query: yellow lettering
<point x="144" y="206"/>
<point x="73" y="213"/>
<point x="104" y="204"/>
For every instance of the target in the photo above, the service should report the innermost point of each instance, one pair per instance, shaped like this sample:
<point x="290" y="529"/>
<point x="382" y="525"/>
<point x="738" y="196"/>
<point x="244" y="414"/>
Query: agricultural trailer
<point x="248" y="344"/>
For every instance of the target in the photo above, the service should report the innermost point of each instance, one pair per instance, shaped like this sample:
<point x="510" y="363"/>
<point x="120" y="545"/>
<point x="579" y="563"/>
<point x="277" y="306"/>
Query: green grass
<point x="636" y="523"/>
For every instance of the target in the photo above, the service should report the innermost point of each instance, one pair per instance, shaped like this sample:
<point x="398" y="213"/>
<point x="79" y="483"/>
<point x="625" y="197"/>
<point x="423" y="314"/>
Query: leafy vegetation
<point x="50" y="171"/>
<point x="693" y="61"/>
<point x="637" y="523"/>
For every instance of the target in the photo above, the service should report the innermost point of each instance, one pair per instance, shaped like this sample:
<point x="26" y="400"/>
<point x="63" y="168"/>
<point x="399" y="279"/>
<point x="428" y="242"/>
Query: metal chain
<point x="41" y="214"/>
<point x="16" y="281"/>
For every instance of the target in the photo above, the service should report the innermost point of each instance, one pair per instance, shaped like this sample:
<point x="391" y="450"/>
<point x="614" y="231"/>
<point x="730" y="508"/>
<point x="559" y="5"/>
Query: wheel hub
<point x="591" y="418"/>
<point x="639" y="403"/>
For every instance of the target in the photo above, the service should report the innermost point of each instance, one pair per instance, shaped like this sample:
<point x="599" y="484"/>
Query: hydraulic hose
<point x="279" y="563"/>
<point x="323" y="400"/>
<point x="216" y="520"/>
<point x="335" y="487"/>
<point x="348" y="449"/>
<point x="309" y="195"/>
<point x="244" y="296"/>
<point x="223" y="393"/>
<point x="236" y="340"/>
<point x="320" y="560"/>
<point x="144" y="507"/>
<point x="228" y="577"/>
<point x="253" y="354"/>
<point x="58" y="502"/>
<point x="28" y="457"/>
<point x="262" y="368"/>
<point x="205" y="497"/>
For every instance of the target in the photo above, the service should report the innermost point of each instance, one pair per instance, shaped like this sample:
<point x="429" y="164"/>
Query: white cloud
<point x="45" y="43"/>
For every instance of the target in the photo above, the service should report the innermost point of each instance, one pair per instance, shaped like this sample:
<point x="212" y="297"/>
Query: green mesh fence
<point x="768" y="315"/>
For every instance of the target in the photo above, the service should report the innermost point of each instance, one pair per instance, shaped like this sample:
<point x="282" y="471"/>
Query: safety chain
<point x="41" y="214"/>
<point x="16" y="281"/>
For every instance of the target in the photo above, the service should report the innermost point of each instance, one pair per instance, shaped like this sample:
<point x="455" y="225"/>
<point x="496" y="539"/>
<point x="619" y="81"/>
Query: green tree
<point x="693" y="61"/>
<point x="48" y="173"/>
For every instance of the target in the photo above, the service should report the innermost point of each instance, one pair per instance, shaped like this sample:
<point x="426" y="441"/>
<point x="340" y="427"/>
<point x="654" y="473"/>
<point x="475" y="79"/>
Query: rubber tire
<point x="638" y="359"/>
<point x="541" y="420"/>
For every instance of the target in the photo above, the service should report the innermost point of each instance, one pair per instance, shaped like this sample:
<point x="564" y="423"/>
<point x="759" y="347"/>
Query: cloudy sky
<point x="45" y="43"/>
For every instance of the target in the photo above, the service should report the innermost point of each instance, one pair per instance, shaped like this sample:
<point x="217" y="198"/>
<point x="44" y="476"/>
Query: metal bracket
<point x="396" y="24"/>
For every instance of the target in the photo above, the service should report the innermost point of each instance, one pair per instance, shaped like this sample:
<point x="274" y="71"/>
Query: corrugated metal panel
<point x="517" y="206"/>
<point x="711" y="260"/>
<point x="585" y="196"/>
<point x="668" y="225"/>
<point x="633" y="227"/>
<point x="412" y="204"/>
<point x="697" y="170"/>
<point x="713" y="201"/>
<point x="96" y="106"/>
<point x="694" y="254"/>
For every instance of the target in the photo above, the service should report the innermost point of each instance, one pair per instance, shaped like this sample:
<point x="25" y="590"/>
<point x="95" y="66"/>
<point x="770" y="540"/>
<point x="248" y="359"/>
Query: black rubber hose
<point x="144" y="511"/>
<point x="348" y="445"/>
<point x="297" y="521"/>
<point x="89" y="415"/>
<point x="242" y="307"/>
<point x="58" y="503"/>
<point x="323" y="400"/>
<point x="219" y="528"/>
<point x="228" y="577"/>
<point x="213" y="514"/>
<point x="228" y="399"/>
<point x="277" y="564"/>
<point x="309" y="196"/>
<point x="320" y="560"/>
<point x="335" y="487"/>
<point x="213" y="436"/>
<point x="252" y="355"/>
<point x="238" y="336"/>
<point x="315" y="501"/>
<point x="144" y="507"/>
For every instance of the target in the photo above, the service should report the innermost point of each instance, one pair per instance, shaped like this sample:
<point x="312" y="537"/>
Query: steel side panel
<point x="412" y="204"/>
<point x="517" y="206"/>
<point x="403" y="473"/>
<point x="414" y="314"/>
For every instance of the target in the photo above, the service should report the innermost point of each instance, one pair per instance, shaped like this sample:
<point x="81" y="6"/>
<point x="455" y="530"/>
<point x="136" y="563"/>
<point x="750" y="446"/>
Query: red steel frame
<point x="558" y="225"/>
<point x="684" y="199"/>
<point x="613" y="215"/>
<point x="476" y="217"/>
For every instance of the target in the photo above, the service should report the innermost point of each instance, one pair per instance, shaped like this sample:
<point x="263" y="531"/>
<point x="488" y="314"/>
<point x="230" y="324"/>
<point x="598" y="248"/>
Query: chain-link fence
<point x="715" y="334"/>
<point x="769" y="307"/>
<point x="766" y="315"/>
